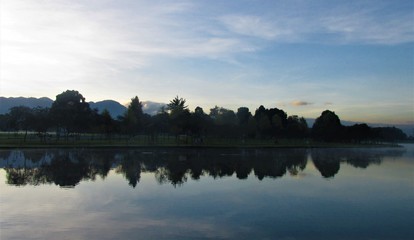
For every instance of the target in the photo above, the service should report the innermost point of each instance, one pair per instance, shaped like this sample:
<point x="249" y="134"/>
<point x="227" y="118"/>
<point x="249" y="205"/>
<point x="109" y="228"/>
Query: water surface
<point x="207" y="194"/>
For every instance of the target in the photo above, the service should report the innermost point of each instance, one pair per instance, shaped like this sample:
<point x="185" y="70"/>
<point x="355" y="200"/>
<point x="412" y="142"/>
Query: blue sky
<point x="353" y="57"/>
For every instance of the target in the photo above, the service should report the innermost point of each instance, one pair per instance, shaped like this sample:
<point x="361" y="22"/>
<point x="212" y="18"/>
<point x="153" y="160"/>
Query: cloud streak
<point x="300" y="103"/>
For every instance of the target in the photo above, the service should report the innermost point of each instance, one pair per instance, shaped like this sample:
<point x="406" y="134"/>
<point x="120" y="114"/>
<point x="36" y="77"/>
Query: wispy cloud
<point x="357" y="22"/>
<point x="250" y="25"/>
<point x="370" y="24"/>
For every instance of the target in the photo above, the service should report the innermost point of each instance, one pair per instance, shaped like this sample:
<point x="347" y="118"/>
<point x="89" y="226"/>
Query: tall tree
<point x="176" y="106"/>
<point x="243" y="114"/>
<point x="271" y="122"/>
<point x="70" y="112"/>
<point x="327" y="127"/>
<point x="200" y="122"/>
<point x="179" y="116"/>
<point x="296" y="127"/>
<point x="133" y="118"/>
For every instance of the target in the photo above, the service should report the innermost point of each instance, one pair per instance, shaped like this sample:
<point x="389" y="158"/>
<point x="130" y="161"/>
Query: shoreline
<point x="205" y="146"/>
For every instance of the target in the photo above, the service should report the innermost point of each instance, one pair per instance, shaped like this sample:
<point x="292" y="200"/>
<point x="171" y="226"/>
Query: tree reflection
<point x="328" y="161"/>
<point x="67" y="168"/>
<point x="130" y="167"/>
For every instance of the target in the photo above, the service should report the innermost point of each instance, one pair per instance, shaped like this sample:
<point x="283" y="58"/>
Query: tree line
<point x="70" y="115"/>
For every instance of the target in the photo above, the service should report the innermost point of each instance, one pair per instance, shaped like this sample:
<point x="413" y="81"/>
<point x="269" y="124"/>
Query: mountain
<point x="7" y="103"/>
<point x="115" y="108"/>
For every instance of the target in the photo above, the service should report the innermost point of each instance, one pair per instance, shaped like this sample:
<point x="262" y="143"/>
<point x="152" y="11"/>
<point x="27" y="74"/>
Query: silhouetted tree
<point x="41" y="121"/>
<point x="225" y="121"/>
<point x="264" y="124"/>
<point x="179" y="116"/>
<point x="296" y="127"/>
<point x="133" y="117"/>
<point x="70" y="112"/>
<point x="271" y="122"/>
<point x="21" y="118"/>
<point x="388" y="134"/>
<point x="357" y="132"/>
<point x="200" y="123"/>
<point x="176" y="106"/>
<point x="5" y="122"/>
<point x="161" y="122"/>
<point x="243" y="114"/>
<point x="327" y="127"/>
<point x="105" y="123"/>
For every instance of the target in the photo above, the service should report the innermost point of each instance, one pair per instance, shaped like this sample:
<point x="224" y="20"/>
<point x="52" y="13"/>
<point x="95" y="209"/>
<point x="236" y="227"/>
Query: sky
<point x="353" y="57"/>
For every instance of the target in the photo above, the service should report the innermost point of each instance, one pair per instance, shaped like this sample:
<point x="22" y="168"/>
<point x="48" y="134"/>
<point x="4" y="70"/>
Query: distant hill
<point x="115" y="108"/>
<point x="7" y="103"/>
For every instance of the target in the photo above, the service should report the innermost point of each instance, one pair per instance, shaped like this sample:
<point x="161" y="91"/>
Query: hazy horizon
<point x="353" y="57"/>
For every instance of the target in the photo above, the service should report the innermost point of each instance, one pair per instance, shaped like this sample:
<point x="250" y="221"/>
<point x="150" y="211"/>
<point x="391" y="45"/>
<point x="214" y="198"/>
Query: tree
<point x="244" y="117"/>
<point x="225" y="122"/>
<point x="176" y="106"/>
<point x="107" y="123"/>
<point x="389" y="134"/>
<point x="179" y="116"/>
<point x="21" y="118"/>
<point x="264" y="125"/>
<point x="70" y="112"/>
<point x="5" y="122"/>
<point x="200" y="122"/>
<point x="133" y="117"/>
<point x="358" y="132"/>
<point x="271" y="122"/>
<point x="327" y="127"/>
<point x="296" y="127"/>
<point x="243" y="114"/>
<point x="223" y="116"/>
<point x="41" y="121"/>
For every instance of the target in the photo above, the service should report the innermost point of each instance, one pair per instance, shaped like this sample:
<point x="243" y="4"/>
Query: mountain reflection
<point x="67" y="168"/>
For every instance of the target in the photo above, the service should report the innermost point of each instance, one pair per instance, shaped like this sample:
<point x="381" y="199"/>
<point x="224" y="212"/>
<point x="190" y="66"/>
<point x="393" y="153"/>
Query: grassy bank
<point x="19" y="140"/>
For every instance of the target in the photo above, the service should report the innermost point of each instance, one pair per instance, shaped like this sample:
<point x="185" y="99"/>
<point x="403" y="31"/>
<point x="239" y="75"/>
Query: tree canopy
<point x="70" y="114"/>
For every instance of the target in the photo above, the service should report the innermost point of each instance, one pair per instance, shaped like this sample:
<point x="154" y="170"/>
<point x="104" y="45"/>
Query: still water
<point x="207" y="193"/>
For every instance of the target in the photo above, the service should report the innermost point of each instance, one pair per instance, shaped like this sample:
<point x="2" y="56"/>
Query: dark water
<point x="207" y="194"/>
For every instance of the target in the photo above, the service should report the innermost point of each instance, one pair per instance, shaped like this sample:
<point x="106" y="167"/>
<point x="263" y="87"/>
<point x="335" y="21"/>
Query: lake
<point x="359" y="193"/>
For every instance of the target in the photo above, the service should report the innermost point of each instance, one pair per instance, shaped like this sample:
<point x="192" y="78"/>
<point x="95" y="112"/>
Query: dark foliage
<point x="71" y="114"/>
